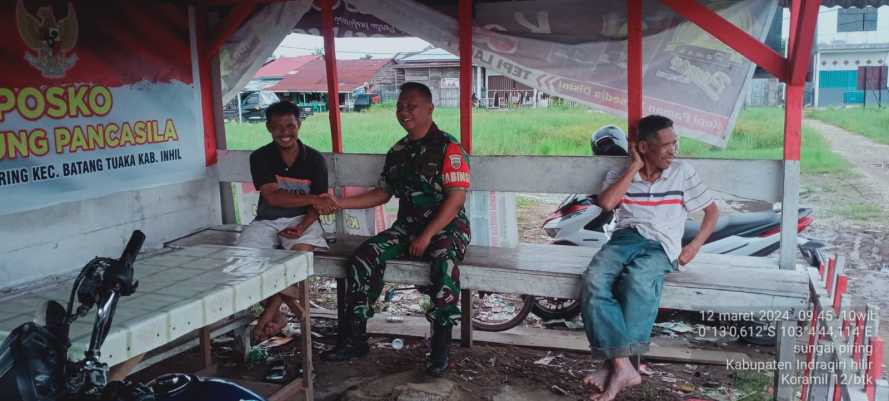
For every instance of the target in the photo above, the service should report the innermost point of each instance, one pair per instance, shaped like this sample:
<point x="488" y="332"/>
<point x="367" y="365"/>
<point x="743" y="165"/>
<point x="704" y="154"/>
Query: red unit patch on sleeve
<point x="455" y="168"/>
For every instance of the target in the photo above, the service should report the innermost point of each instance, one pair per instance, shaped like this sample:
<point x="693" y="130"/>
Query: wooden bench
<point x="714" y="283"/>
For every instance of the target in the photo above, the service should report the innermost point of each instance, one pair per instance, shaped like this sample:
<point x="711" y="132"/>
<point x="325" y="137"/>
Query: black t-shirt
<point x="307" y="175"/>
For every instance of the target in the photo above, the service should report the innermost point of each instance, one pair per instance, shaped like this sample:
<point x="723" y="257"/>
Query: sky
<point x="349" y="48"/>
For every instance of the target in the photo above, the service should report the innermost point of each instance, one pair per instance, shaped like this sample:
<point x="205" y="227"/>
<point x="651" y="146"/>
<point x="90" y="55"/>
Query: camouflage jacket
<point x="419" y="173"/>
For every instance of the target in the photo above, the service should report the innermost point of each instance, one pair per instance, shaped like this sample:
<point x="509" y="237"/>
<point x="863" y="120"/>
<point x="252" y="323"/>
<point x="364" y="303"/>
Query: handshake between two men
<point x="326" y="204"/>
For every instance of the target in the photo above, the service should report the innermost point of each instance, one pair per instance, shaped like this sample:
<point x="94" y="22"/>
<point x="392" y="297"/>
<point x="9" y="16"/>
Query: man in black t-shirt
<point x="291" y="178"/>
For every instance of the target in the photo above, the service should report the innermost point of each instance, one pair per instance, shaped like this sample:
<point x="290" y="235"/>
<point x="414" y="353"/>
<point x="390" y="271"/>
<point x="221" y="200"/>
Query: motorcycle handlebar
<point x="132" y="249"/>
<point x="120" y="277"/>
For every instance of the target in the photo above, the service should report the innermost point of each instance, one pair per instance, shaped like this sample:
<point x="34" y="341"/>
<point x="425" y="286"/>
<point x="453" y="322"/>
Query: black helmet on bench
<point x="609" y="140"/>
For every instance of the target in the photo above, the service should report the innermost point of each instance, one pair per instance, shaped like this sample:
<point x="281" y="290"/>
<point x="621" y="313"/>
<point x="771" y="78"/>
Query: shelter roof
<point x="312" y="77"/>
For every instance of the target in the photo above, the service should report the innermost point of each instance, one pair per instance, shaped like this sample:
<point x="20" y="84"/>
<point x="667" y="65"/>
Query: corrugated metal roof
<point x="284" y="66"/>
<point x="312" y="77"/>
<point x="428" y="55"/>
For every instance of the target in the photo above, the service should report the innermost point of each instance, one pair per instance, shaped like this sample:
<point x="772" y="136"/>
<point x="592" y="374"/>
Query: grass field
<point x="554" y="131"/>
<point x="872" y="123"/>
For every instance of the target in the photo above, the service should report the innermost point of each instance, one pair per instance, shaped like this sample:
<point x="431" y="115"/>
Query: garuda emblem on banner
<point x="50" y="39"/>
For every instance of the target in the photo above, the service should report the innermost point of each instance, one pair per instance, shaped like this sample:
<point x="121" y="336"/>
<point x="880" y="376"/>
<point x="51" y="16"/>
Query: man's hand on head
<point x="636" y="163"/>
<point x="688" y="253"/>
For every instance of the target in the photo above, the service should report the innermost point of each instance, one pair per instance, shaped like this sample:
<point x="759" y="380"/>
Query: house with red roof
<point x="282" y="67"/>
<point x="355" y="77"/>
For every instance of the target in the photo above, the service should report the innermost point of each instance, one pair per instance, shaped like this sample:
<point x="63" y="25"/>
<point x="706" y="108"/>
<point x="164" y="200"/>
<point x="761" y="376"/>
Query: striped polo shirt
<point x="658" y="210"/>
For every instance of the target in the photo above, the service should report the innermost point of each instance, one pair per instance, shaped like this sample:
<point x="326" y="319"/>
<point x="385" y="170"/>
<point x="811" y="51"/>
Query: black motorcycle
<point x="33" y="359"/>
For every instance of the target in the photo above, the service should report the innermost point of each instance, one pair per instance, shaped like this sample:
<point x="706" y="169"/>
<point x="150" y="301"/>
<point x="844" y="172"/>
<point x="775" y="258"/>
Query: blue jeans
<point x="621" y="293"/>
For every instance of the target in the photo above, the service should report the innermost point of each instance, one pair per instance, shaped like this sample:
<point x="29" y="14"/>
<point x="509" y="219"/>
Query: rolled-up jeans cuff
<point x="619" y="352"/>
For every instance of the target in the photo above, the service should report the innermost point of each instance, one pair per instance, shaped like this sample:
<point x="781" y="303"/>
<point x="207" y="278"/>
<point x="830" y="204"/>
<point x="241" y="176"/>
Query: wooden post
<point x="634" y="67"/>
<point x="341" y="299"/>
<point x="206" y="347"/>
<point x="307" y="339"/>
<point x="466" y="324"/>
<point x="333" y="100"/>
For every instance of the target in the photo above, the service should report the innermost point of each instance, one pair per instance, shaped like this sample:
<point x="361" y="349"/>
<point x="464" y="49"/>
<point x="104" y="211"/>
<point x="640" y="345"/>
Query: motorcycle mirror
<point x="55" y="319"/>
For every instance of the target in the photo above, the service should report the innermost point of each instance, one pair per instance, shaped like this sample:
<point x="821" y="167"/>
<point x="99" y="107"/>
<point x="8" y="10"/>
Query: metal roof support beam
<point x="465" y="39"/>
<point x="731" y="35"/>
<point x="229" y="26"/>
<point x="800" y="50"/>
<point x="333" y="100"/>
<point x="634" y="66"/>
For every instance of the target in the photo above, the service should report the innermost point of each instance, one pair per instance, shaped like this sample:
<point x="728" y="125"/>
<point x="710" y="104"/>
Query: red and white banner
<point x="577" y="49"/>
<point x="95" y="98"/>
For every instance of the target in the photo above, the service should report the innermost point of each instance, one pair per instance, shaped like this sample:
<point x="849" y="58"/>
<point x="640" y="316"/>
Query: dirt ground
<point x="852" y="218"/>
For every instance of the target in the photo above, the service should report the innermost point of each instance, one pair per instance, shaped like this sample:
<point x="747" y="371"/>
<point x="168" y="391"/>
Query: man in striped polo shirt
<point x="622" y="284"/>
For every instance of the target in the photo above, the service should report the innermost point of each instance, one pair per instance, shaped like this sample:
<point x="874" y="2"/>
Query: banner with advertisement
<point x="254" y="42"/>
<point x="95" y="99"/>
<point x="577" y="50"/>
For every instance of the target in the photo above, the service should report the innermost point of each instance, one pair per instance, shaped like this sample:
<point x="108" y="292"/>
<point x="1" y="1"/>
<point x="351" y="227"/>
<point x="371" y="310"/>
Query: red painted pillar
<point x="842" y="286"/>
<point x="333" y="100"/>
<point x="465" y="36"/>
<point x="204" y="74"/>
<point x="831" y="271"/>
<point x="794" y="20"/>
<point x="793" y="121"/>
<point x="634" y="66"/>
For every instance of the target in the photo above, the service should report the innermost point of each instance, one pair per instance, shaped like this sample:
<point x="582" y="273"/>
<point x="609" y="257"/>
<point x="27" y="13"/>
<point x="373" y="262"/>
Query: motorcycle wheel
<point x="491" y="310"/>
<point x="555" y="308"/>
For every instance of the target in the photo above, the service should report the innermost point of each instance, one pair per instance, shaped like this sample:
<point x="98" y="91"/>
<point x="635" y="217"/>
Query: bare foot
<point x="269" y="325"/>
<point x="620" y="379"/>
<point x="598" y="379"/>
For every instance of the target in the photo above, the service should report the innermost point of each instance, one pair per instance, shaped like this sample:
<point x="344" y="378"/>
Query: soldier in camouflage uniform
<point x="429" y="174"/>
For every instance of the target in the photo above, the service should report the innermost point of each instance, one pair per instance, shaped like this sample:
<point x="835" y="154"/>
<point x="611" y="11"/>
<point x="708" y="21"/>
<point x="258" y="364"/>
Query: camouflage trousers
<point x="446" y="249"/>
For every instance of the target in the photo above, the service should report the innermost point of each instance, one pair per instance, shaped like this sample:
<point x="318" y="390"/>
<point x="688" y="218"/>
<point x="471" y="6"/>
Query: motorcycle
<point x="33" y="359"/>
<point x="580" y="222"/>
